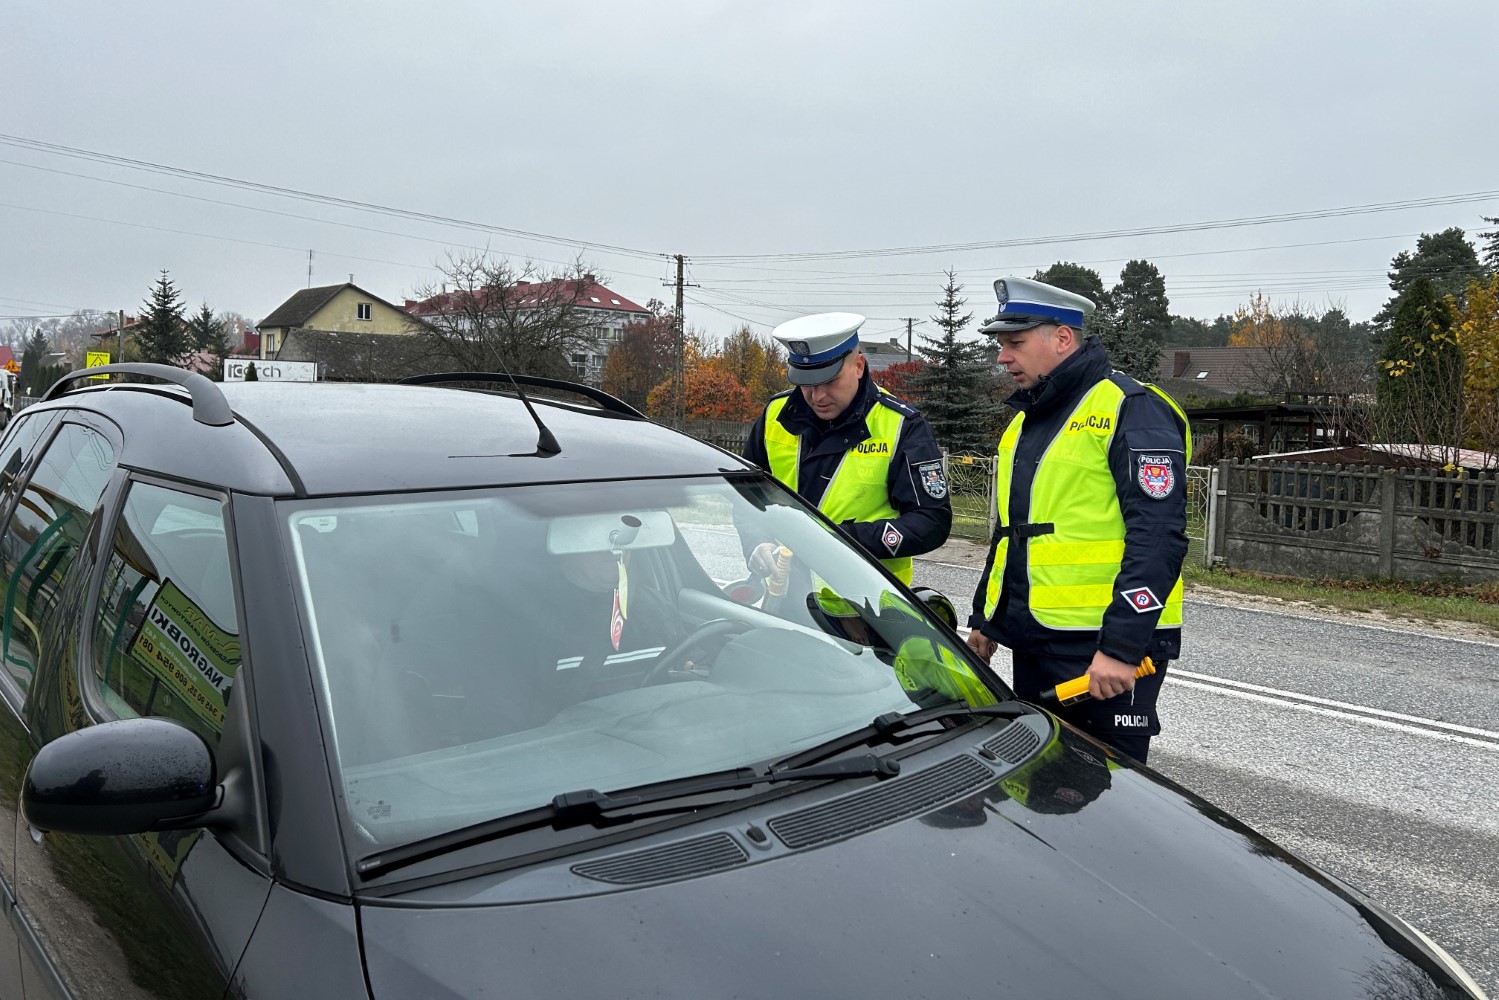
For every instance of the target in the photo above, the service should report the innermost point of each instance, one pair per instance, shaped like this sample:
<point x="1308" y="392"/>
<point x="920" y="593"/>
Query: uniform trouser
<point x="1126" y="722"/>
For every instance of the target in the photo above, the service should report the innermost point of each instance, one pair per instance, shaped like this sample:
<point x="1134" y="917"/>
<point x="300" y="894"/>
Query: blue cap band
<point x="1018" y="310"/>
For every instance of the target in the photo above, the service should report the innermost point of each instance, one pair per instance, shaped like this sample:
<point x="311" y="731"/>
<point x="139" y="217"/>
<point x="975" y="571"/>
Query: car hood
<point x="1071" y="877"/>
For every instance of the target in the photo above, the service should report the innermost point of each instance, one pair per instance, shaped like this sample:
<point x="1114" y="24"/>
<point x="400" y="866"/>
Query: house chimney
<point x="1179" y="365"/>
<point x="590" y="279"/>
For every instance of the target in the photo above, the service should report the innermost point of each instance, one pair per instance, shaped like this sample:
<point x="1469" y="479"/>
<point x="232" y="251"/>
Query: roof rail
<point x="599" y="396"/>
<point x="209" y="405"/>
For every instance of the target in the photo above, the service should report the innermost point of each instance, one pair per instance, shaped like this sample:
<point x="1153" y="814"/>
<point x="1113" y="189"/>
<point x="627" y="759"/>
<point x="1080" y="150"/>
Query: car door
<point x="153" y="631"/>
<point x="16" y="452"/>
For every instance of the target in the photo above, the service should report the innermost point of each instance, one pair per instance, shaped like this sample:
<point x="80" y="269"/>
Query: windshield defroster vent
<point x="683" y="859"/>
<point x="886" y="803"/>
<point x="1015" y="744"/>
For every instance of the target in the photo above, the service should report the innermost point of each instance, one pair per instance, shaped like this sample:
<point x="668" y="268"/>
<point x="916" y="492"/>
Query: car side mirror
<point x="938" y="604"/>
<point x="129" y="776"/>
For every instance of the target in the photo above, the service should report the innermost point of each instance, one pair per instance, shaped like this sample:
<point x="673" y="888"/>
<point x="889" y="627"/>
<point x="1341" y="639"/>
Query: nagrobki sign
<point x="270" y="371"/>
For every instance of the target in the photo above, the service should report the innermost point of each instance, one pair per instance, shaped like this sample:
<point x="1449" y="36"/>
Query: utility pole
<point x="122" y="335"/>
<point x="309" y="268"/>
<point x="679" y="364"/>
<point x="909" y="320"/>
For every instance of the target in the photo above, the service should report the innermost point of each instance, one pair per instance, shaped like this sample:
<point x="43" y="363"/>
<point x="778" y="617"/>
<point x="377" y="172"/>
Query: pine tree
<point x="1419" y="391"/>
<point x="209" y="336"/>
<point x="953" y="386"/>
<point x="1137" y="322"/>
<point x="162" y="336"/>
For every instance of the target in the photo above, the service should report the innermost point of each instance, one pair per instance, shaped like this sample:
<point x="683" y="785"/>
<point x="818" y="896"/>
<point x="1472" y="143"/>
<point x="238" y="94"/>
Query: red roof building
<point x="609" y="311"/>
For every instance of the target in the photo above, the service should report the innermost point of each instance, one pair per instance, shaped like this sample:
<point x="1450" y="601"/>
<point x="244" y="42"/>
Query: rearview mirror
<point x="129" y="776"/>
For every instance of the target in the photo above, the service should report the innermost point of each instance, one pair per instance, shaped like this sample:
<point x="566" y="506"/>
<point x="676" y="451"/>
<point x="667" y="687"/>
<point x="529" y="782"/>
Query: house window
<point x="366" y="310"/>
<point x="1202" y="374"/>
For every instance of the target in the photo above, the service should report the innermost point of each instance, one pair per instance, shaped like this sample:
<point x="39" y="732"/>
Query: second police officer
<point x="1084" y="573"/>
<point x="867" y="460"/>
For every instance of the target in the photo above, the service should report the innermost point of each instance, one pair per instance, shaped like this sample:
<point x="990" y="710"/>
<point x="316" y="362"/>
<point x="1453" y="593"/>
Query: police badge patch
<point x="932" y="480"/>
<point x="891" y="537"/>
<point x="1155" y="475"/>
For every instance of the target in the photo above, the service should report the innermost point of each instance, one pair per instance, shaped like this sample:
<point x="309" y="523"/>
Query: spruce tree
<point x="952" y="388"/>
<point x="162" y="336"/>
<point x="209" y="336"/>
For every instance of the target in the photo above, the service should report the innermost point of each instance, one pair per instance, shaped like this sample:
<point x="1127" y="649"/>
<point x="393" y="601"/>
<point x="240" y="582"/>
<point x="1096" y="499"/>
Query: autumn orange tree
<point x="643" y="357"/>
<point x="898" y="380"/>
<point x="758" y="363"/>
<point x="713" y="393"/>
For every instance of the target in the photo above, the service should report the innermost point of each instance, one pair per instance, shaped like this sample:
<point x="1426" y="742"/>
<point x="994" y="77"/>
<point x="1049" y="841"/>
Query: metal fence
<point x="970" y="484"/>
<point x="1202" y="498"/>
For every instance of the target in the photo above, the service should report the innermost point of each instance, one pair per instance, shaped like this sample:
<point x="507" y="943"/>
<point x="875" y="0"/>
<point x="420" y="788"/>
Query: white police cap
<point x="817" y="346"/>
<point x="1024" y="303"/>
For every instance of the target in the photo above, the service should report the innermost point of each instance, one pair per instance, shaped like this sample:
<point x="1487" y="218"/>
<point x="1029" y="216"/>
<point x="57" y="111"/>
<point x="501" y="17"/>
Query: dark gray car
<point x="344" y="690"/>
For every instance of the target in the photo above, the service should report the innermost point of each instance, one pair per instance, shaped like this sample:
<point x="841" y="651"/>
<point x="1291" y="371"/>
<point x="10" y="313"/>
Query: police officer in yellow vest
<point x="1084" y="575"/>
<point x="867" y="460"/>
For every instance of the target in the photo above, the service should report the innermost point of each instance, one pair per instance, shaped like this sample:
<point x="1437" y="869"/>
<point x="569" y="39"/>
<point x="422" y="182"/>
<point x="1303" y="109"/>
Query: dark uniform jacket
<point x="916" y="486"/>
<point x="1155" y="537"/>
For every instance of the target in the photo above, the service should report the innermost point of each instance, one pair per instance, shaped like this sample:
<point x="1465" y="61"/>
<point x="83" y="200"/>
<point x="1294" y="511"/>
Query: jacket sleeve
<point x="917" y="488"/>
<point x="1153" y="503"/>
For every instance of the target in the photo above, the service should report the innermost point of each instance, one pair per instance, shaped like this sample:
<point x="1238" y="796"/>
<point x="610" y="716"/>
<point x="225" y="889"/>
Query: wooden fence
<point x="1313" y="520"/>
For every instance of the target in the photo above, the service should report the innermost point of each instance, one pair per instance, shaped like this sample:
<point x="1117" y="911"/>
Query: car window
<point x="49" y="522"/>
<point x="166" y="637"/>
<point x="25" y="430"/>
<point x="482" y="653"/>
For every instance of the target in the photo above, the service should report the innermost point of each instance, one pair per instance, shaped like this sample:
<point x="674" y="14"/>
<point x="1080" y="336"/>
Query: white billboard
<point x="270" y="371"/>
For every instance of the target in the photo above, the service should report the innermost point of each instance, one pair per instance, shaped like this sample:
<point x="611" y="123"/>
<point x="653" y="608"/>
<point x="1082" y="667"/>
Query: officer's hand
<point x="1108" y="677"/>
<point x="982" y="645"/>
<point x="762" y="559"/>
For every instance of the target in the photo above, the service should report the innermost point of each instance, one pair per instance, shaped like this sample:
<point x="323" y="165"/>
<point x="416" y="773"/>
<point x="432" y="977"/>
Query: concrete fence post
<point x="1387" y="484"/>
<point x="1218" y="515"/>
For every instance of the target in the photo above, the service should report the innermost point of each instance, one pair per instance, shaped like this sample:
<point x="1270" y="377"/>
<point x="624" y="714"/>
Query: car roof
<point x="325" y="438"/>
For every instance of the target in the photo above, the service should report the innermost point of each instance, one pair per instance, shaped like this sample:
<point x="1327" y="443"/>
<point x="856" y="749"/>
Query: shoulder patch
<point x="929" y="474"/>
<point x="1155" y="475"/>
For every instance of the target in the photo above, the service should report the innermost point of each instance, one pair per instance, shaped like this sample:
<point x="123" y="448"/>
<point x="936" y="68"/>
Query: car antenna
<point x="546" y="442"/>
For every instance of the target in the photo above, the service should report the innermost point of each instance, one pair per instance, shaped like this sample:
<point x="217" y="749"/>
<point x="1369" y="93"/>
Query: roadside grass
<point x="1477" y="604"/>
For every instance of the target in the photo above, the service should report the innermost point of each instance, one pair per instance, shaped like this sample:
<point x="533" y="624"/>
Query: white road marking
<point x="1414" y="629"/>
<point x="1412" y="724"/>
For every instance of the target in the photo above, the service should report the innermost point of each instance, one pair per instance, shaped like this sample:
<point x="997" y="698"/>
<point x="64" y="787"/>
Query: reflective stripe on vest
<point x="1072" y="568"/>
<point x="859" y="489"/>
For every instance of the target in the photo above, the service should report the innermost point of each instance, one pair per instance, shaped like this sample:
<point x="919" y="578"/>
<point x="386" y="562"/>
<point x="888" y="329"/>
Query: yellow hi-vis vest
<point x="1074" y="553"/>
<point x="858" y="490"/>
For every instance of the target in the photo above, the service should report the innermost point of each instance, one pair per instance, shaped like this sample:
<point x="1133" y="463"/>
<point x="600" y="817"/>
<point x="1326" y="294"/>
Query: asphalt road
<point x="1371" y="752"/>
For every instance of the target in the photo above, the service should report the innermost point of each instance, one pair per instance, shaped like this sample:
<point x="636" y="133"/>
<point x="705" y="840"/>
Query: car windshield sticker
<point x="1155" y="475"/>
<point x="1142" y="599"/>
<point x="932" y="480"/>
<point x="891" y="538"/>
<point x="180" y="644"/>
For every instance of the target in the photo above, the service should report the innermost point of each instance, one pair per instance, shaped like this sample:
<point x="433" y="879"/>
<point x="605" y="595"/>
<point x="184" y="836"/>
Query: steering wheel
<point x="673" y="657"/>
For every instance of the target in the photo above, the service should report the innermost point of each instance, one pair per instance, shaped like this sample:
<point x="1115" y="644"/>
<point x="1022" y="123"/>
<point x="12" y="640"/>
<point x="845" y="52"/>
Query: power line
<point x="1185" y="227"/>
<point x="300" y="195"/>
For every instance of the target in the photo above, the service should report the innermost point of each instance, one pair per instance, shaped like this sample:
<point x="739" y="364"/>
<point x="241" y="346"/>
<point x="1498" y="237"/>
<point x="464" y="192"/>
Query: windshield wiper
<point x="886" y="727"/>
<point x="588" y="804"/>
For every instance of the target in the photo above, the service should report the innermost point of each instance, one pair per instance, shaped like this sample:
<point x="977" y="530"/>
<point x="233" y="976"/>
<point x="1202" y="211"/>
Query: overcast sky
<point x="748" y="131"/>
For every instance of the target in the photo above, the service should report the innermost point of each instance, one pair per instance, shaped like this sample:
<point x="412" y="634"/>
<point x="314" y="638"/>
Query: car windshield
<point x="482" y="652"/>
